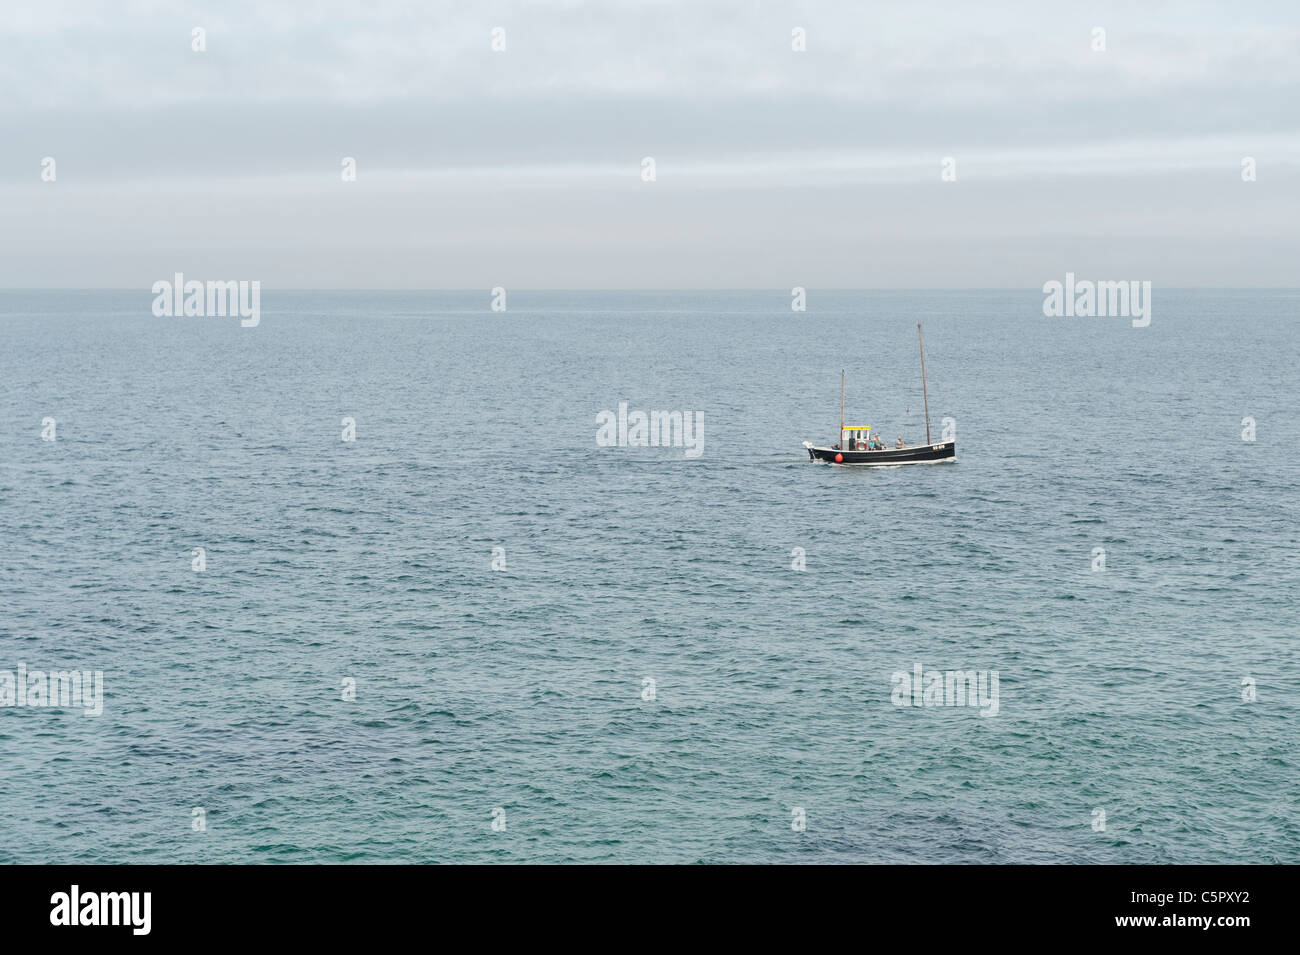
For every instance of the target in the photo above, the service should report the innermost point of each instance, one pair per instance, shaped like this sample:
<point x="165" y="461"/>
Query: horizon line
<point x="479" y="290"/>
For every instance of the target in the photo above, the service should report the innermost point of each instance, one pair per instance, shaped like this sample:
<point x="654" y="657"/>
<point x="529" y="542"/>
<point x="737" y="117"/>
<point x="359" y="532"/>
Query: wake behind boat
<point x="858" y="446"/>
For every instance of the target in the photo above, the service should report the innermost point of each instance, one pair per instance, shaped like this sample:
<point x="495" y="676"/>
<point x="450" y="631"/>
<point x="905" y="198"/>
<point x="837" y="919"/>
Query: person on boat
<point x="899" y="443"/>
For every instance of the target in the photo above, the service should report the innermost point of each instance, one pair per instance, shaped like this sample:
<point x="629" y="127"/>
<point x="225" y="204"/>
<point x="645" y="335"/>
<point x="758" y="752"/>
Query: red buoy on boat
<point x="839" y="459"/>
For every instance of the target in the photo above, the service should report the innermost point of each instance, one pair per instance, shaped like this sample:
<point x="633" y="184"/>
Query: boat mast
<point x="924" y="396"/>
<point x="840" y="439"/>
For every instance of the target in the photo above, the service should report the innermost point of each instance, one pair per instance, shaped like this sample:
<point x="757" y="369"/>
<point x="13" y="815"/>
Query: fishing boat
<point x="853" y="446"/>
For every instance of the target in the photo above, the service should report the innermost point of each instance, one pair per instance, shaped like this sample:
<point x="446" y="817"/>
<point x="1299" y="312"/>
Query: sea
<point x="365" y="583"/>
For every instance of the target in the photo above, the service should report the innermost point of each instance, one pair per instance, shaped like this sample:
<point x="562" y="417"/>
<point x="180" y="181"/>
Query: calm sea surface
<point x="1120" y="690"/>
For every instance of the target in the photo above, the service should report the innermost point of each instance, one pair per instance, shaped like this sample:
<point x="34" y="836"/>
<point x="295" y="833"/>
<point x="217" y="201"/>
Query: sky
<point x="774" y="168"/>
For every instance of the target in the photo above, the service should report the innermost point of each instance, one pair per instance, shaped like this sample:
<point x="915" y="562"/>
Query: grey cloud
<point x="522" y="167"/>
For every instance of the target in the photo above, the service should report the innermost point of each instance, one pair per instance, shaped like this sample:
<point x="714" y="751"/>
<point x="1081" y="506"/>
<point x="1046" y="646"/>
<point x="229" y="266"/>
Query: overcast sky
<point x="774" y="168"/>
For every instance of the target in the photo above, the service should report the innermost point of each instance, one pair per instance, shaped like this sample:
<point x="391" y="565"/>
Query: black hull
<point x="921" y="454"/>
